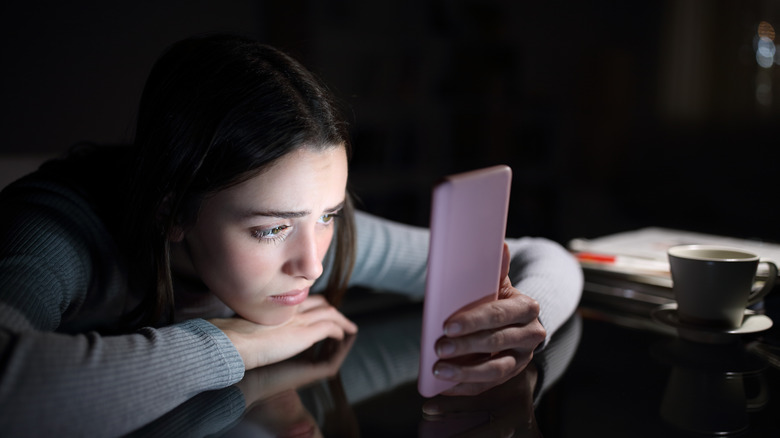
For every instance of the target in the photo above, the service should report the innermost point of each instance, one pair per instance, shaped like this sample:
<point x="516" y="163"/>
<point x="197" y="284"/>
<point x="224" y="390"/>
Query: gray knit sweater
<point x="63" y="289"/>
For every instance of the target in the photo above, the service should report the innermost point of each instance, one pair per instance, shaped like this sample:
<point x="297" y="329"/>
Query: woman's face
<point x="258" y="246"/>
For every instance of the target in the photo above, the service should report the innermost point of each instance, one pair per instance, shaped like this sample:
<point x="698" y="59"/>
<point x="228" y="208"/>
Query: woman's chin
<point x="274" y="318"/>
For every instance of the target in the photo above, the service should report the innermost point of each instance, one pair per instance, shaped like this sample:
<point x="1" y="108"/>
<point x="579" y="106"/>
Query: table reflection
<point x="640" y="382"/>
<point x="711" y="388"/>
<point x="366" y="386"/>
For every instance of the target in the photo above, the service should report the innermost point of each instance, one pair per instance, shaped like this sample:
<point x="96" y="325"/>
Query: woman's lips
<point x="291" y="298"/>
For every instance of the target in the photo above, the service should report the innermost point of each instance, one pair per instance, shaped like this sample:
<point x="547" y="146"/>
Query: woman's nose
<point x="304" y="257"/>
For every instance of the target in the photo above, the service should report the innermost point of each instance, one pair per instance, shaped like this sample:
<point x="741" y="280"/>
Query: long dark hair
<point x="216" y="111"/>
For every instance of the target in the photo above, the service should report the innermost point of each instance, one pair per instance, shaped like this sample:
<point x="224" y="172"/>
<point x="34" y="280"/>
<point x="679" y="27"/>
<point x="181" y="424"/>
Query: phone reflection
<point x="506" y="410"/>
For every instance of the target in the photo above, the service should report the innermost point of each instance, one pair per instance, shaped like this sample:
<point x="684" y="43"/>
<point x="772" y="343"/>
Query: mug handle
<point x="757" y="295"/>
<point x="757" y="402"/>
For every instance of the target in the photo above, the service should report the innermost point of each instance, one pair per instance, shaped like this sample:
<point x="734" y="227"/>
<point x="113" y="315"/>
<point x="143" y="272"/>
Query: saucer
<point x="752" y="323"/>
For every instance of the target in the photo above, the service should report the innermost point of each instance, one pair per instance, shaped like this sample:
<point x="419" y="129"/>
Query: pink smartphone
<point x="468" y="227"/>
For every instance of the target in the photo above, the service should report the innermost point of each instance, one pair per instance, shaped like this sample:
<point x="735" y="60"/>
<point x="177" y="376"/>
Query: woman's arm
<point x="546" y="272"/>
<point x="55" y="275"/>
<point x="92" y="385"/>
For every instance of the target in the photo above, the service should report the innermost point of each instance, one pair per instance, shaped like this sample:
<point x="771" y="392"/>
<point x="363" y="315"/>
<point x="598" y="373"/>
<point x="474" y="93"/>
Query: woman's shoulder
<point x="55" y="242"/>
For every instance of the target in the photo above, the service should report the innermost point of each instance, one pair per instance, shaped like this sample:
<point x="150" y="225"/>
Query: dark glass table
<point x="634" y="377"/>
<point x="600" y="376"/>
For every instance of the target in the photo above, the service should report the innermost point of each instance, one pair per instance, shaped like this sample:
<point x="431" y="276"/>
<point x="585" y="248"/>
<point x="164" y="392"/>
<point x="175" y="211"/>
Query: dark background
<point x="613" y="114"/>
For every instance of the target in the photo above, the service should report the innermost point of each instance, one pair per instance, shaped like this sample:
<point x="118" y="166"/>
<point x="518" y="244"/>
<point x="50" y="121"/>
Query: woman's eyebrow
<point x="338" y="207"/>
<point x="277" y="214"/>
<point x="281" y="214"/>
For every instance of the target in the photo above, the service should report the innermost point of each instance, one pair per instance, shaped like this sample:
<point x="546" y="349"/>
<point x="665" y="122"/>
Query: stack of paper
<point x="629" y="271"/>
<point x="643" y="252"/>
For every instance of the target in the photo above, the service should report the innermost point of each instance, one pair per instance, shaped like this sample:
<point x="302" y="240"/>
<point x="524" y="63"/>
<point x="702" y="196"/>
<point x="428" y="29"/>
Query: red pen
<point x="623" y="261"/>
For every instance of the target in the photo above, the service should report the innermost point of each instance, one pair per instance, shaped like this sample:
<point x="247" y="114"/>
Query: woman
<point x="133" y="279"/>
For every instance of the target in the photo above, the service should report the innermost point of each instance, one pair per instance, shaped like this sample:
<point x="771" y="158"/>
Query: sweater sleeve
<point x="393" y="256"/>
<point x="56" y="381"/>
<point x="546" y="272"/>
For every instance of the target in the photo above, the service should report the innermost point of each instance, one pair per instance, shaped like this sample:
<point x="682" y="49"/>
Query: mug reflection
<point x="711" y="389"/>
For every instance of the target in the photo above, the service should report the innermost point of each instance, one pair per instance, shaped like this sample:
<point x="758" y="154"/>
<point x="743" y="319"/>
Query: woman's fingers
<point x="318" y="313"/>
<point x="261" y="345"/>
<point x="510" y="323"/>
<point x="491" y="343"/>
<point x="483" y="368"/>
<point x="515" y="337"/>
<point x="514" y="308"/>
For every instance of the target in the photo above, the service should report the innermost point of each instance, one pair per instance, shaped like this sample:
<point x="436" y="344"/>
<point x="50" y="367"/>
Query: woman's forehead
<point x="303" y="176"/>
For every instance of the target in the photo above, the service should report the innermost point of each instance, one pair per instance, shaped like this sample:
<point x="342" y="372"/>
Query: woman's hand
<point x="261" y="345"/>
<point x="489" y="344"/>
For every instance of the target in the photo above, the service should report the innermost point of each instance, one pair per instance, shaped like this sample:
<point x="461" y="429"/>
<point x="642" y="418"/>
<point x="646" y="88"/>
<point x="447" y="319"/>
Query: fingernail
<point x="444" y="371"/>
<point x="431" y="408"/>
<point x="445" y="348"/>
<point x="452" y="329"/>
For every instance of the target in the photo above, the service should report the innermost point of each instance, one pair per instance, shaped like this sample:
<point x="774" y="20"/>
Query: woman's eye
<point x="328" y="218"/>
<point x="270" y="233"/>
